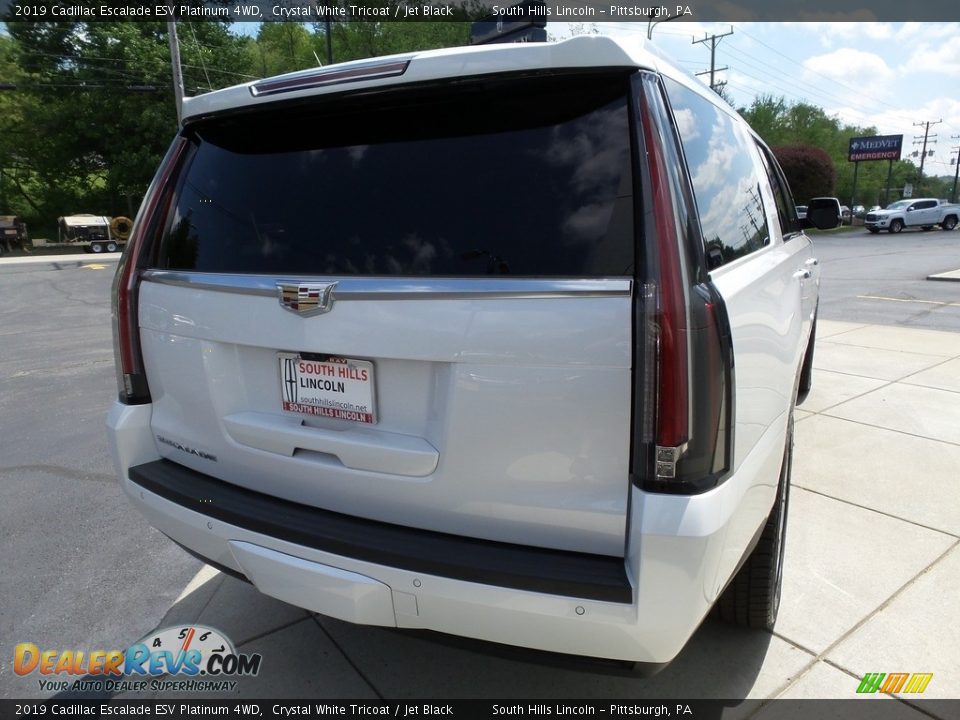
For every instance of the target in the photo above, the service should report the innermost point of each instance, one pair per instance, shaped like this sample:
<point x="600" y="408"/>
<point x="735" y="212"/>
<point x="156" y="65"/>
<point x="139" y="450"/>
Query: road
<point x="79" y="569"/>
<point x="882" y="278"/>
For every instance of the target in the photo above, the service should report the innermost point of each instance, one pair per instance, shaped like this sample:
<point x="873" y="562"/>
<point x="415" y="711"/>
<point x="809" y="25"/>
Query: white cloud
<point x="943" y="58"/>
<point x="686" y="124"/>
<point x="830" y="33"/>
<point x="852" y="68"/>
<point x="927" y="31"/>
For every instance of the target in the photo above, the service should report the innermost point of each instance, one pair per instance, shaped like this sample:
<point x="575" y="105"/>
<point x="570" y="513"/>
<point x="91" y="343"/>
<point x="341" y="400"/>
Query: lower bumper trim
<point x="542" y="570"/>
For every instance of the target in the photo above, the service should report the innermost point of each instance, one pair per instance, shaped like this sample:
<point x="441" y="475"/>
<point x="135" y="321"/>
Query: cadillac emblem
<point x="306" y="299"/>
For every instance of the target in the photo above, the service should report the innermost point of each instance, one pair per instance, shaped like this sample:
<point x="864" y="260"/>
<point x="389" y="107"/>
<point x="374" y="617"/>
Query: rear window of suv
<point x="520" y="176"/>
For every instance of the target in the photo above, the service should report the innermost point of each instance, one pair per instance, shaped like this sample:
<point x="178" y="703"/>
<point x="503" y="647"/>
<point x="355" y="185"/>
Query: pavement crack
<point x="349" y="660"/>
<point x="800" y="486"/>
<point x="272" y="631"/>
<point x="889" y="429"/>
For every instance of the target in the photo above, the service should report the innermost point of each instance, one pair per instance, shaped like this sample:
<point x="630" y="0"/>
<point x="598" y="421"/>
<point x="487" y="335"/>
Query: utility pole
<point x="714" y="40"/>
<point x="177" y="69"/>
<point x="916" y="141"/>
<point x="327" y="28"/>
<point x="956" y="171"/>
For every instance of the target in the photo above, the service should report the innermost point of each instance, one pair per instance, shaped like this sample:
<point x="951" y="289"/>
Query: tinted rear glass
<point x="507" y="176"/>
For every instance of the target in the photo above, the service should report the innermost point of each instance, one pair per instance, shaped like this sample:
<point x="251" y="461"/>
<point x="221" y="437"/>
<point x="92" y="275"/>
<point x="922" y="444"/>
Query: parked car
<point x="845" y="213"/>
<point x="13" y="232"/>
<point x="924" y="213"/>
<point x="802" y="212"/>
<point x="859" y="211"/>
<point x="487" y="395"/>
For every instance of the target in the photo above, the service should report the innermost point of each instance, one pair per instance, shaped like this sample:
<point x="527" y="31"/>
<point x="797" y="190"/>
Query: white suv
<point x="502" y="342"/>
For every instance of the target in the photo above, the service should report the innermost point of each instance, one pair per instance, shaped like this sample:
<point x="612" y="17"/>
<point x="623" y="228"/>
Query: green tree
<point x="809" y="170"/>
<point x="11" y="128"/>
<point x="283" y="47"/>
<point x="95" y="107"/>
<point x="780" y="123"/>
<point x="355" y="40"/>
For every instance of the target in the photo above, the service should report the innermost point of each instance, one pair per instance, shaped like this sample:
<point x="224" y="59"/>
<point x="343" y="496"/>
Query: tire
<point x="896" y="226"/>
<point x="111" y="246"/>
<point x="752" y="599"/>
<point x="874" y="231"/>
<point x="806" y="370"/>
<point x="949" y="223"/>
<point x="927" y="228"/>
<point x="96" y="248"/>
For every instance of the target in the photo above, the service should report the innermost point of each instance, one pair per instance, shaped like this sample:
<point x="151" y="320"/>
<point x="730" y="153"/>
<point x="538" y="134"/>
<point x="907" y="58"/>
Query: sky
<point x="885" y="75"/>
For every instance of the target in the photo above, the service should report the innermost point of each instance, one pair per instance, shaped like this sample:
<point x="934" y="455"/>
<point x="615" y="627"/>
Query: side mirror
<point x="822" y="214"/>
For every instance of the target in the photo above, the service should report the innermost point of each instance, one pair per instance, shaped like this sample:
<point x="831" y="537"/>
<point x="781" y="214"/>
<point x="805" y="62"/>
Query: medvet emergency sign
<point x="878" y="147"/>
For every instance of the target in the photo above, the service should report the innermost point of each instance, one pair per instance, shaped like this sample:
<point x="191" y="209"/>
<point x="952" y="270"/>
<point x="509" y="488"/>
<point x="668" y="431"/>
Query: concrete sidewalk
<point x="872" y="578"/>
<point x="75" y="258"/>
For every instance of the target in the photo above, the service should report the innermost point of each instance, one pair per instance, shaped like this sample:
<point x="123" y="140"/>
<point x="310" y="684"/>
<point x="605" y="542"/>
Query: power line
<point x="863" y="97"/>
<point x="200" y="54"/>
<point x="834" y="81"/>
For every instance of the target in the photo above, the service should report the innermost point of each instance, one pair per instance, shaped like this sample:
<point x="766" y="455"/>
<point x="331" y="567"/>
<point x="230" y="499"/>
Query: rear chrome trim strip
<point x="389" y="288"/>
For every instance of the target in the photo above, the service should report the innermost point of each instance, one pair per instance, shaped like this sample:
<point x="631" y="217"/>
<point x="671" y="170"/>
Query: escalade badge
<point x="306" y="299"/>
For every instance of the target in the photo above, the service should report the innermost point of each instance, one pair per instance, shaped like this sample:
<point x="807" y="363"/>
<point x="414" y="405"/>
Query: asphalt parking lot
<point x="872" y="570"/>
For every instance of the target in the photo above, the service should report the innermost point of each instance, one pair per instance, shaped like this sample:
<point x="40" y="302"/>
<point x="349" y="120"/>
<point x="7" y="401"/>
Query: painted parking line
<point x="71" y="258"/>
<point x="905" y="300"/>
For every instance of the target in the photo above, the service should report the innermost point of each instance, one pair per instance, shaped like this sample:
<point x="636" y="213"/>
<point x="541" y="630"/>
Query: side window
<point x="720" y="161"/>
<point x="786" y="210"/>
<point x="926" y="205"/>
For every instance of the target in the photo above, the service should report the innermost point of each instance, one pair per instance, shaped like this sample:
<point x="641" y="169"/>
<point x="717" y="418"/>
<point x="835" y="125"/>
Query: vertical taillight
<point x="682" y="357"/>
<point x="665" y="269"/>
<point x="131" y="379"/>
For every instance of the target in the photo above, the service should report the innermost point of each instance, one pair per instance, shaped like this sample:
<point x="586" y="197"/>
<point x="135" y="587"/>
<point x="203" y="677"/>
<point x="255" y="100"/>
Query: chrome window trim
<point x="400" y="288"/>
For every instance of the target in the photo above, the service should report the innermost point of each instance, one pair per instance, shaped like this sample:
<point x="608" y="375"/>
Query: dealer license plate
<point x="334" y="387"/>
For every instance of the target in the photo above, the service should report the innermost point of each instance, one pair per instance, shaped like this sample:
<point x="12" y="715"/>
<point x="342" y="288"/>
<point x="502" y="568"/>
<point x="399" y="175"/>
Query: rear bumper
<point x="577" y="575"/>
<point x="642" y="608"/>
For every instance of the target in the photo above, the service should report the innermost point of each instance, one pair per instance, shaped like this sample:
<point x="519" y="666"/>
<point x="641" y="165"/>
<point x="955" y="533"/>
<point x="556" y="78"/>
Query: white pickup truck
<point x="920" y="212"/>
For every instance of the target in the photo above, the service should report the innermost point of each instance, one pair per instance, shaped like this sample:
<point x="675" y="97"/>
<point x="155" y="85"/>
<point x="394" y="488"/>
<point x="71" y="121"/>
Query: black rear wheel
<point x="752" y="599"/>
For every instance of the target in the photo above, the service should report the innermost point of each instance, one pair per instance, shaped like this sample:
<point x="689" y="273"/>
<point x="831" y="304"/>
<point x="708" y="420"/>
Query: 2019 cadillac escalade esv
<point x="502" y="342"/>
